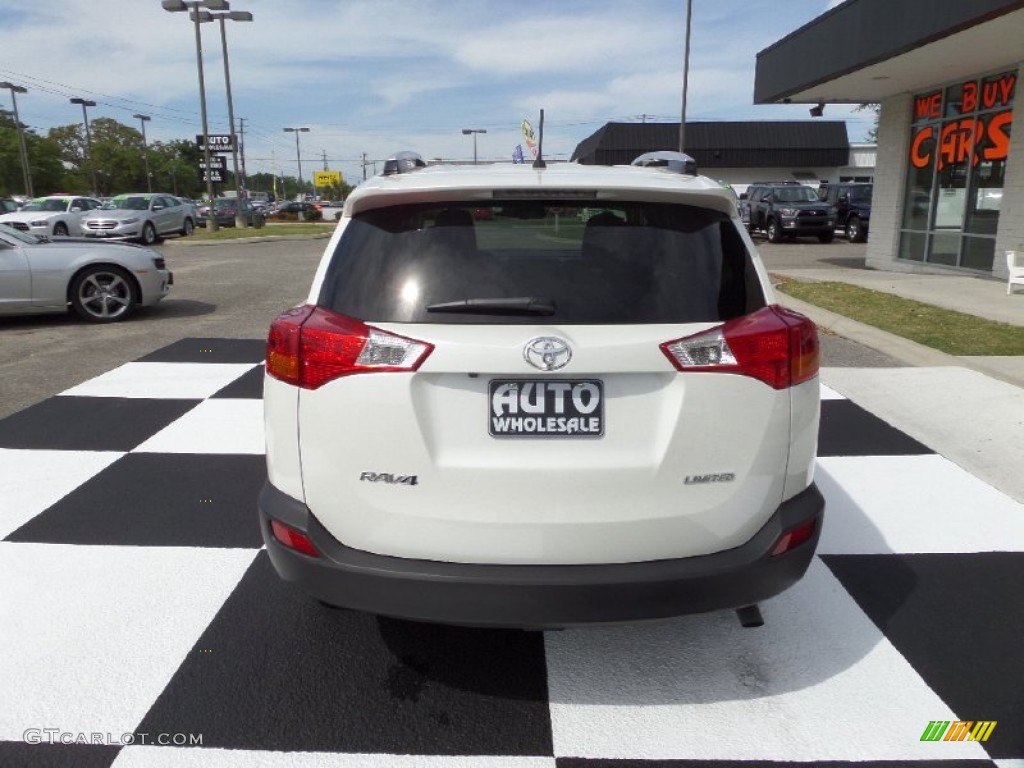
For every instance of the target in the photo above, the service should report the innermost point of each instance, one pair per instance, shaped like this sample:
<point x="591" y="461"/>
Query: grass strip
<point x="234" y="233"/>
<point x="951" y="332"/>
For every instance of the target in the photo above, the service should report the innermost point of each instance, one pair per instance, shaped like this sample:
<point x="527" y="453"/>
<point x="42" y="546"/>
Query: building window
<point x="960" y="141"/>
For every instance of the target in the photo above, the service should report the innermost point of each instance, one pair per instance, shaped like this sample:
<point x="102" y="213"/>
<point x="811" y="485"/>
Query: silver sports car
<point x="102" y="282"/>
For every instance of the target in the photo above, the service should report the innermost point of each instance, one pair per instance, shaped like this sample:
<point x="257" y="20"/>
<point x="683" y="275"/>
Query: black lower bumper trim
<point x="540" y="596"/>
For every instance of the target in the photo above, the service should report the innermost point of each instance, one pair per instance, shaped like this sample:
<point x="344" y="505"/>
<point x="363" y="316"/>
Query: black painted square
<point x="276" y="670"/>
<point x="249" y="386"/>
<point x="19" y="754"/>
<point x="582" y="762"/>
<point x="959" y="620"/>
<point x="849" y="430"/>
<point x="203" y="350"/>
<point x="90" y="423"/>
<point x="162" y="500"/>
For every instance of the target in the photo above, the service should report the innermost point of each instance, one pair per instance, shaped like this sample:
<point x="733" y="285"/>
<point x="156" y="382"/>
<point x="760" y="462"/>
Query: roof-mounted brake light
<point x="677" y="162"/>
<point x="403" y="162"/>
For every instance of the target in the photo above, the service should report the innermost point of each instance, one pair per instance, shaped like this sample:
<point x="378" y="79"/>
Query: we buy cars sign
<point x="217" y="142"/>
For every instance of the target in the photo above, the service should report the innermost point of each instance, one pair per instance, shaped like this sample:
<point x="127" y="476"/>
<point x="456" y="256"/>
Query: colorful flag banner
<point x="531" y="142"/>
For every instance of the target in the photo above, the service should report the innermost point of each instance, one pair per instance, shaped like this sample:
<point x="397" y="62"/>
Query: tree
<point x="175" y="168"/>
<point x="43" y="160"/>
<point x="872" y="134"/>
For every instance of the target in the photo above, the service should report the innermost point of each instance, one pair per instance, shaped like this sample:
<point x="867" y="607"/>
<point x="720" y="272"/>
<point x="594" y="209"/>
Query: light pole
<point x="686" y="77"/>
<point x="474" y="131"/>
<point x="233" y="16"/>
<point x="176" y="6"/>
<point x="88" y="137"/>
<point x="25" y="173"/>
<point x="298" y="158"/>
<point x="145" y="150"/>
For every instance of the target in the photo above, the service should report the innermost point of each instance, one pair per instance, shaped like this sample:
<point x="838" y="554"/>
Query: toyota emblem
<point x="547" y="353"/>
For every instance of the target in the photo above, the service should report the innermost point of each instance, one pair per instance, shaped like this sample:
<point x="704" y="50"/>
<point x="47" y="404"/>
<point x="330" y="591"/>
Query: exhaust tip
<point x="750" y="616"/>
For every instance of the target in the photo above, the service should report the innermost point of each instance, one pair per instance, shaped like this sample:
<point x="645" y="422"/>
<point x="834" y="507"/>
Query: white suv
<point x="541" y="397"/>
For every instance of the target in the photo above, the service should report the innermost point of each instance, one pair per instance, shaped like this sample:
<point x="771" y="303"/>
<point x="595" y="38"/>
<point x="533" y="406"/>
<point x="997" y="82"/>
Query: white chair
<point x="1015" y="263"/>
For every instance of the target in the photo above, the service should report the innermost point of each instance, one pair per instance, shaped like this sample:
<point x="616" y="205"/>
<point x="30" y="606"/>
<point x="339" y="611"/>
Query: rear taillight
<point x="309" y="346"/>
<point x="293" y="538"/>
<point x="774" y="345"/>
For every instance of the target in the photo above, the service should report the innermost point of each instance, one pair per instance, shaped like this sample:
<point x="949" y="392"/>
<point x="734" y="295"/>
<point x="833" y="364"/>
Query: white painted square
<point x="32" y="481"/>
<point x="827" y="393"/>
<point x="174" y="757"/>
<point x="162" y="380"/>
<point x="817" y="682"/>
<point x="913" y="504"/>
<point x="91" y="635"/>
<point x="213" y="426"/>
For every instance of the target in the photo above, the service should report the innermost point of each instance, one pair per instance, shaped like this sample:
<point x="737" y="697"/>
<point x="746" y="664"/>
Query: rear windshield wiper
<point x="519" y="305"/>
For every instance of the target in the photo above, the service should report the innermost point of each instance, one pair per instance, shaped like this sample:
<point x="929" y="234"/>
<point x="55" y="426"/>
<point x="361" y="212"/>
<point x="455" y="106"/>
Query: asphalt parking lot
<point x="234" y="290"/>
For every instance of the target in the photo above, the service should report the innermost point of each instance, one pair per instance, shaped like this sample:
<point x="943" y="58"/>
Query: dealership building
<point x="949" y="173"/>
<point x="740" y="153"/>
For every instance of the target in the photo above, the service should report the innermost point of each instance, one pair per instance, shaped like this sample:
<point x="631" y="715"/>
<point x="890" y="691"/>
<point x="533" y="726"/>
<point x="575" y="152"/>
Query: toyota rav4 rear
<point x="541" y="398"/>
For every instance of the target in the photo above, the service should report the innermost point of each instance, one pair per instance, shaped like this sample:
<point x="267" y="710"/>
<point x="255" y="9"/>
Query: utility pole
<point x="324" y="153"/>
<point x="241" y="152"/>
<point x="364" y="166"/>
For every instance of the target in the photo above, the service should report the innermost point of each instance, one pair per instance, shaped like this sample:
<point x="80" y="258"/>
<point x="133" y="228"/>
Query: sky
<point x="377" y="76"/>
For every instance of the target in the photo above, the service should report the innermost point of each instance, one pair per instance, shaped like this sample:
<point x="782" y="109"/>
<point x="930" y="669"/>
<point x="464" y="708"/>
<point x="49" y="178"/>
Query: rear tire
<point x="187" y="228"/>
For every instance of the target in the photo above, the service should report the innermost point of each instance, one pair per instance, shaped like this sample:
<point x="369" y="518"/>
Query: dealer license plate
<point x="548" y="408"/>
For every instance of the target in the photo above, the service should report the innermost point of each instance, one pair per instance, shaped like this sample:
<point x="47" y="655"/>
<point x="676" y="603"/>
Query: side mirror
<point x="743" y="195"/>
<point x="844" y="198"/>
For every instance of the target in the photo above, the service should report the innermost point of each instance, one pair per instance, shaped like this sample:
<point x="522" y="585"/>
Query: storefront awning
<point x="866" y="50"/>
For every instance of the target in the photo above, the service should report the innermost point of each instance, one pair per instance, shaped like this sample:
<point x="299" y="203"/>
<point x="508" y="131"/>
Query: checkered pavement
<point x="136" y="604"/>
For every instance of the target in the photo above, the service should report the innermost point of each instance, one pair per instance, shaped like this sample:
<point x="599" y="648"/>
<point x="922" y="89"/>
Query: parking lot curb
<point x="254" y="239"/>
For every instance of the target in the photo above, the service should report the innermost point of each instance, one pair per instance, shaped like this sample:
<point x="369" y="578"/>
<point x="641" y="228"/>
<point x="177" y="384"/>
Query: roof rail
<point x="677" y="162"/>
<point x="403" y="162"/>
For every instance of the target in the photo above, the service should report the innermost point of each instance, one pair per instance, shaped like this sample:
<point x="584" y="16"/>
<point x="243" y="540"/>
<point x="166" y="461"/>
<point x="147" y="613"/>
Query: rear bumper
<point x="540" y="596"/>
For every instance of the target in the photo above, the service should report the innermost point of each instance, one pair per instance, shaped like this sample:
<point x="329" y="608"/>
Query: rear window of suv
<point x="580" y="263"/>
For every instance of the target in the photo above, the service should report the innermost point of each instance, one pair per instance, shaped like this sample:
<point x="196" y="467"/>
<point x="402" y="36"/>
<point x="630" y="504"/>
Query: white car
<point x="142" y="216"/>
<point x="521" y="418"/>
<point x="53" y="216"/>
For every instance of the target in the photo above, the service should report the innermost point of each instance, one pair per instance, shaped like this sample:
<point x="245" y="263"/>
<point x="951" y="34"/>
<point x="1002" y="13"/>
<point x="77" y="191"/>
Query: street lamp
<point x="176" y="6"/>
<point x="233" y="16"/>
<point x="145" y="150"/>
<point x="474" y="131"/>
<point x="25" y="173"/>
<point x="686" y="76"/>
<point x="88" y="138"/>
<point x="298" y="158"/>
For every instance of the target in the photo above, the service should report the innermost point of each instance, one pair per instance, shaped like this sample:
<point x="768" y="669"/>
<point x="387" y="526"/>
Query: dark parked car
<point x="852" y="201"/>
<point x="227" y="208"/>
<point x="289" y="210"/>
